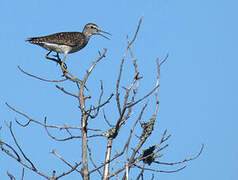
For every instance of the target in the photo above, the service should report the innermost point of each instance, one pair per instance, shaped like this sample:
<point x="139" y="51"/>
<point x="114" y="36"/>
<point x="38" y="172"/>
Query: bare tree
<point x="132" y="155"/>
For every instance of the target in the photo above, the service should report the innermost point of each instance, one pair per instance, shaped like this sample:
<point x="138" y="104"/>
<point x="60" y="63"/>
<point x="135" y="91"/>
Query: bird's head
<point x="93" y="29"/>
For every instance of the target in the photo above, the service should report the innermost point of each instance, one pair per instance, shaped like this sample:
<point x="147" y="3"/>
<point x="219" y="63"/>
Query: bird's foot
<point x="72" y="78"/>
<point x="66" y="73"/>
<point x="58" y="60"/>
<point x="60" y="63"/>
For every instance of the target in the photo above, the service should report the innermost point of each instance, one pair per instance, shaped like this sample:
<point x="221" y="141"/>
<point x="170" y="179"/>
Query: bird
<point x="67" y="43"/>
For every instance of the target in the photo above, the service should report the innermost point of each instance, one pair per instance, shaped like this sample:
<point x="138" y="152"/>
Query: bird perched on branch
<point x="67" y="42"/>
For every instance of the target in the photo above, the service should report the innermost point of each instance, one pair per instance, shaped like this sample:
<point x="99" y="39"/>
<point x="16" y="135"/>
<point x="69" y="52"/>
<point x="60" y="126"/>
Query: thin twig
<point x="84" y="118"/>
<point x="68" y="172"/>
<point x="141" y="173"/>
<point x="66" y="92"/>
<point x="43" y="124"/>
<point x="105" y="118"/>
<point x="17" y="144"/>
<point x="144" y="97"/>
<point x="185" y="160"/>
<point x="137" y="30"/>
<point x="118" y="82"/>
<point x="62" y="139"/>
<point x="163" y="171"/>
<point x="42" y="79"/>
<point x="66" y="162"/>
<point x="94" y="64"/>
<point x="94" y="164"/>
<point x="11" y="176"/>
<point x="23" y="172"/>
<point x="17" y="156"/>
<point x="121" y="67"/>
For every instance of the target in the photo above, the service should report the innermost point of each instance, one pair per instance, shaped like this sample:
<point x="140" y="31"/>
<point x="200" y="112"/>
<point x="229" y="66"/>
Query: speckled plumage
<point x="72" y="39"/>
<point x="67" y="42"/>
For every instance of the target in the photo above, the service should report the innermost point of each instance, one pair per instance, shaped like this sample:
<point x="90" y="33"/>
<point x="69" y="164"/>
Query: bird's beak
<point x="100" y="33"/>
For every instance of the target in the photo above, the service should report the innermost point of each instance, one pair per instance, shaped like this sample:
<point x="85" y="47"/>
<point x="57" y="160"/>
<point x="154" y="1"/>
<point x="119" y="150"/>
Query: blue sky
<point x="198" y="92"/>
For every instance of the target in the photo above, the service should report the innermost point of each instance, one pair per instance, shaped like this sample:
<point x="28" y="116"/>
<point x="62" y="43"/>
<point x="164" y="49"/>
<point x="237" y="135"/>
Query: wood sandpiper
<point x="67" y="42"/>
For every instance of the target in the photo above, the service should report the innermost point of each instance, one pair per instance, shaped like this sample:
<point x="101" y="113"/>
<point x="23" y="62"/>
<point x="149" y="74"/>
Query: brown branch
<point x="163" y="171"/>
<point x="148" y="127"/>
<point x="121" y="67"/>
<point x="134" y="126"/>
<point x="66" y="162"/>
<point x="94" y="164"/>
<point x="105" y="118"/>
<point x="66" y="92"/>
<point x="148" y="155"/>
<point x="17" y="144"/>
<point x="84" y="118"/>
<point x="42" y="79"/>
<point x="68" y="172"/>
<point x="144" y="97"/>
<point x="58" y="139"/>
<point x="137" y="30"/>
<point x="17" y="156"/>
<point x="128" y="142"/>
<point x="132" y="56"/>
<point x="123" y="118"/>
<point x="23" y="172"/>
<point x="163" y="139"/>
<point x="102" y="165"/>
<point x="118" y="82"/>
<point x="100" y="105"/>
<point x="163" y="61"/>
<point x="122" y="111"/>
<point x="114" y="158"/>
<point x="107" y="159"/>
<point x="119" y="123"/>
<point x="11" y="176"/>
<point x="43" y="124"/>
<point x="183" y="161"/>
<point x="31" y="166"/>
<point x="103" y="104"/>
<point x="141" y="173"/>
<point x="93" y="66"/>
<point x="132" y="103"/>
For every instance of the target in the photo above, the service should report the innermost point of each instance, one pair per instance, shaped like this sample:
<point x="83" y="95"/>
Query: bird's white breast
<point x="57" y="48"/>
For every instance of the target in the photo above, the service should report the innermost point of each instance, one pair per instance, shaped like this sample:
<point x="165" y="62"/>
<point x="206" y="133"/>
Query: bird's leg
<point x="64" y="70"/>
<point x="58" y="60"/>
<point x="53" y="59"/>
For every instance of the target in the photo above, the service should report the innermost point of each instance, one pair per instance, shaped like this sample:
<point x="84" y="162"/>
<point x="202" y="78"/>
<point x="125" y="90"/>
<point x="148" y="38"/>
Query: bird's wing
<point x="66" y="38"/>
